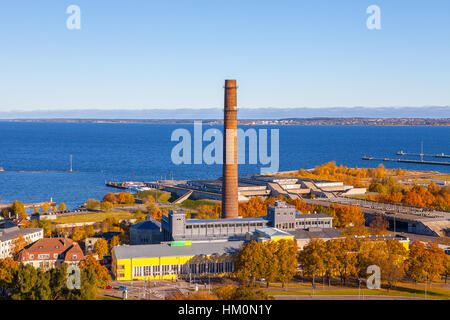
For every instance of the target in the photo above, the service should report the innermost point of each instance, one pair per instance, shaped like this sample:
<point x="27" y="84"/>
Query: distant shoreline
<point x="286" y="121"/>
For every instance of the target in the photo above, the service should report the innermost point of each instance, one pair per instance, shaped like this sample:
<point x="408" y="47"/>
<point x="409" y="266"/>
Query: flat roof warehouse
<point x="166" y="250"/>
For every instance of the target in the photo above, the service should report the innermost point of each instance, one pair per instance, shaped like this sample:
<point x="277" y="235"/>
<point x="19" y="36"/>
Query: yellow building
<point x="172" y="260"/>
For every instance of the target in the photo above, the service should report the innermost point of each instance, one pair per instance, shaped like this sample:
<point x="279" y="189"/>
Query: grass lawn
<point x="402" y="289"/>
<point x="194" y="204"/>
<point x="94" y="217"/>
<point x="160" y="196"/>
<point x="107" y="298"/>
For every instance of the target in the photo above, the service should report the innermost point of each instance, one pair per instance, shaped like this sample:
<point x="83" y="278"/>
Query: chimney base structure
<point x="230" y="202"/>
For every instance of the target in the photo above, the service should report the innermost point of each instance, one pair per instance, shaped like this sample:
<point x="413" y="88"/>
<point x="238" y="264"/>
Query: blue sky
<point x="172" y="54"/>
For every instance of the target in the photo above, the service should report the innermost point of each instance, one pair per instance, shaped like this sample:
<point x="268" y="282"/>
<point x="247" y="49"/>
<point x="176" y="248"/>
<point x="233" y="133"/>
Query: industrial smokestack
<point x="230" y="168"/>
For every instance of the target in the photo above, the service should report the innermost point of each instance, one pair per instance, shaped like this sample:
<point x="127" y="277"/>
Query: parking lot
<point x="153" y="290"/>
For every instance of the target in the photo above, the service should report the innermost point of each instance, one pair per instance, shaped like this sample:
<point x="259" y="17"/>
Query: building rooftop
<point x="6" y="224"/>
<point x="312" y="216"/>
<point x="256" y="219"/>
<point x="51" y="246"/>
<point x="9" y="230"/>
<point x="147" y="225"/>
<point x="165" y="250"/>
<point x="106" y="235"/>
<point x="326" y="233"/>
<point x="273" y="232"/>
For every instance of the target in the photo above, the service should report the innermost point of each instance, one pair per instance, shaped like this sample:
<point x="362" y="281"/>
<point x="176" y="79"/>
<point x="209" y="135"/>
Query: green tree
<point x="30" y="284"/>
<point x="58" y="282"/>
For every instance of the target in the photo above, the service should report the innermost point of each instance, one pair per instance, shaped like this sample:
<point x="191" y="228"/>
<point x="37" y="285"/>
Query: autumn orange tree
<point x="274" y="261"/>
<point x="447" y="267"/>
<point x="7" y="267"/>
<point x="208" y="212"/>
<point x="19" y="209"/>
<point x="115" y="241"/>
<point x="312" y="258"/>
<point x="101" y="248"/>
<point x="119" y="198"/>
<point x="394" y="266"/>
<point x="425" y="262"/>
<point x="255" y="207"/>
<point x="346" y="258"/>
<point x="45" y="207"/>
<point x="250" y="262"/>
<point x="101" y="271"/>
<point x="300" y="206"/>
<point x="270" y="262"/>
<point x="286" y="255"/>
<point x="433" y="197"/>
<point x="346" y="216"/>
<point x="330" y="171"/>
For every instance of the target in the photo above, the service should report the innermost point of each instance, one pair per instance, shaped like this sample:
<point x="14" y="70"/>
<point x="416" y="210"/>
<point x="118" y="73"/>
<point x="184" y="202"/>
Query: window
<point x="43" y="256"/>
<point x="31" y="256"/>
<point x="121" y="267"/>
<point x="74" y="257"/>
<point x="188" y="227"/>
<point x="55" y="256"/>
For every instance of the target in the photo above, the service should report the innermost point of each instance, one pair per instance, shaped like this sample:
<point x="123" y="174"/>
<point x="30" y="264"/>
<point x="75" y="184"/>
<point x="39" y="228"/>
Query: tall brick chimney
<point x="230" y="167"/>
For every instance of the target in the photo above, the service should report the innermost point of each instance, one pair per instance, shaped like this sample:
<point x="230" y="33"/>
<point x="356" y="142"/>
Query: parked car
<point x="108" y="287"/>
<point x="123" y="288"/>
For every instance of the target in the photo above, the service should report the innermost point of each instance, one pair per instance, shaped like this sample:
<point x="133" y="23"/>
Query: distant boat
<point x="401" y="153"/>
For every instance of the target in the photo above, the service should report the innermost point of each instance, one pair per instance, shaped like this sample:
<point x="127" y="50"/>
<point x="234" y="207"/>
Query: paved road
<point x="150" y="290"/>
